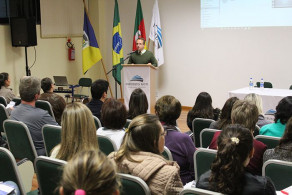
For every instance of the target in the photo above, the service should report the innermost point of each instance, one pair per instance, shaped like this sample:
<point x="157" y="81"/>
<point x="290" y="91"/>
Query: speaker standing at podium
<point x="142" y="56"/>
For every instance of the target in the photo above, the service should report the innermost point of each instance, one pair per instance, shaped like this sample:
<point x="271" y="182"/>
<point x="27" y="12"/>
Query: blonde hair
<point x="92" y="172"/>
<point x="245" y="113"/>
<point x="78" y="131"/>
<point x="255" y="99"/>
<point x="142" y="135"/>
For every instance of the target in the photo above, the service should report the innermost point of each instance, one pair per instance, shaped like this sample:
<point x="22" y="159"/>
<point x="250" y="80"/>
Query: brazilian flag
<point x="118" y="56"/>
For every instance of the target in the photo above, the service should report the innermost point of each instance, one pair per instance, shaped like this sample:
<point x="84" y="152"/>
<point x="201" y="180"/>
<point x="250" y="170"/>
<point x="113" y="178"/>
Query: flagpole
<point x="101" y="58"/>
<point x="121" y="91"/>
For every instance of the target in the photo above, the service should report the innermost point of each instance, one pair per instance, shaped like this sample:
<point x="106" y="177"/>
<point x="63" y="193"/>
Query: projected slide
<point x="245" y="13"/>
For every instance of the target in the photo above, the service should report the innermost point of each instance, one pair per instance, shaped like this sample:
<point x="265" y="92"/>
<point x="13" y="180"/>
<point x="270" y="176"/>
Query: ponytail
<point x="227" y="171"/>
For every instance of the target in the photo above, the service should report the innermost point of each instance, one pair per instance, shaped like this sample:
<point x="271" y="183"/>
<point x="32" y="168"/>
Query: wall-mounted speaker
<point x="23" y="32"/>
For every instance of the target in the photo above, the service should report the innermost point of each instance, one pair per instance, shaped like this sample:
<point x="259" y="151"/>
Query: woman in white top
<point x="78" y="132"/>
<point x="113" y="118"/>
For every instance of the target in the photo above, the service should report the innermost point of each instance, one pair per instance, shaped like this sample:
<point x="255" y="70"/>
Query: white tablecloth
<point x="270" y="96"/>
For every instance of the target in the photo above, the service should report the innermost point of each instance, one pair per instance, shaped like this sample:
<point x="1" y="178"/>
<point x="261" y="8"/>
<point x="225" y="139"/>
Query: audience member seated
<point x="284" y="150"/>
<point x="182" y="148"/>
<point x="26" y="112"/>
<point x="282" y="115"/>
<point x="138" y="103"/>
<point x="246" y="114"/>
<point x="113" y="118"/>
<point x="78" y="132"/>
<point x="89" y="172"/>
<point x="4" y="90"/>
<point x="57" y="102"/>
<point x="98" y="92"/>
<point x="202" y="109"/>
<point x="140" y="155"/>
<point x="257" y="100"/>
<point x="227" y="174"/>
<point x="225" y="116"/>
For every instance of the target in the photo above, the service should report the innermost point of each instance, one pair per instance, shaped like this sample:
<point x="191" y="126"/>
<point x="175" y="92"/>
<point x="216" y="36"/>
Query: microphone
<point x="131" y="52"/>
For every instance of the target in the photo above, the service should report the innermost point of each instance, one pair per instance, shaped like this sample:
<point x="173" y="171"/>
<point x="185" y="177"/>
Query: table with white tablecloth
<point x="270" y="96"/>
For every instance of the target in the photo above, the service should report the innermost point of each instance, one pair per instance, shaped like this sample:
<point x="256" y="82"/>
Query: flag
<point x="156" y="35"/>
<point x="118" y="56"/>
<point x="90" y="50"/>
<point x="139" y="30"/>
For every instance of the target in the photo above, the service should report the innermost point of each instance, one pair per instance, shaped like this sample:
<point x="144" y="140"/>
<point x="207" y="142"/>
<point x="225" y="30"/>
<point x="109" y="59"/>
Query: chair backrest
<point x="198" y="191"/>
<point x="85" y="82"/>
<point x="3" y="116"/>
<point x="290" y="87"/>
<point x="51" y="137"/>
<point x="270" y="141"/>
<point x="9" y="170"/>
<point x="17" y="101"/>
<point x="128" y="123"/>
<point x="206" y="137"/>
<point x="19" y="140"/>
<point x="266" y="84"/>
<point x="198" y="125"/>
<point x="45" y="105"/>
<point x="203" y="158"/>
<point x="256" y="131"/>
<point x="106" y="145"/>
<point x="97" y="122"/>
<point x="167" y="154"/>
<point x="3" y="101"/>
<point x="132" y="185"/>
<point x="49" y="173"/>
<point x="280" y="173"/>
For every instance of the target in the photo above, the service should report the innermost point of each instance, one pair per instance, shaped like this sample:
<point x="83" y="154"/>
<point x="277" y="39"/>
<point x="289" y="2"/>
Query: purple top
<point x="182" y="149"/>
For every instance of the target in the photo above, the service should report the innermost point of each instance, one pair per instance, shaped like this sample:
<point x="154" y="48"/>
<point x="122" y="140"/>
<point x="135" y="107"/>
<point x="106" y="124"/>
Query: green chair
<point x="3" y="101"/>
<point x="106" y="145"/>
<point x="83" y="82"/>
<point x="45" y="105"/>
<point x="280" y="173"/>
<point x="290" y="87"/>
<point x="198" y="125"/>
<point x="167" y="154"/>
<point x="127" y="123"/>
<point x="203" y="158"/>
<point x="256" y="131"/>
<point x="17" y="101"/>
<point x="49" y="173"/>
<point x="206" y="137"/>
<point x="270" y="141"/>
<point x="51" y="137"/>
<point x="9" y="171"/>
<point x="132" y="185"/>
<point x="3" y="117"/>
<point x="198" y="191"/>
<point x="19" y="140"/>
<point x="266" y="84"/>
<point x="97" y="122"/>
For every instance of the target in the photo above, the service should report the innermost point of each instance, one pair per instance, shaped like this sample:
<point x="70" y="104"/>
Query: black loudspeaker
<point x="23" y="32"/>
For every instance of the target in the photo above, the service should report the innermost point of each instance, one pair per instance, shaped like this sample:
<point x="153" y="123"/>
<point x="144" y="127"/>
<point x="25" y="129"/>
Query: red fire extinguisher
<point x="71" y="50"/>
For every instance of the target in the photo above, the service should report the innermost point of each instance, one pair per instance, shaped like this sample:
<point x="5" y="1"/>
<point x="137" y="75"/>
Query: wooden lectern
<point x="139" y="76"/>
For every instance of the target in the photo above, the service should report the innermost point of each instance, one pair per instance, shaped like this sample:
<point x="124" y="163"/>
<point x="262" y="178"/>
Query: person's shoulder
<point x="259" y="144"/>
<point x="255" y="179"/>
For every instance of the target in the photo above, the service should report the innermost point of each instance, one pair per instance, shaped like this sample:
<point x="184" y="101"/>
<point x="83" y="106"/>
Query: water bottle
<point x="262" y="83"/>
<point x="250" y="83"/>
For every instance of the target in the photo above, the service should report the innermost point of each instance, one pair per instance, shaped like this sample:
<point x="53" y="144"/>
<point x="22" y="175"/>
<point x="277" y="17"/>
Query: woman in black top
<point x="227" y="174"/>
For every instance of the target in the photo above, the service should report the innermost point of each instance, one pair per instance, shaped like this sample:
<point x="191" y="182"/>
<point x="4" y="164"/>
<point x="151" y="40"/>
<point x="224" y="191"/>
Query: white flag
<point x="156" y="35"/>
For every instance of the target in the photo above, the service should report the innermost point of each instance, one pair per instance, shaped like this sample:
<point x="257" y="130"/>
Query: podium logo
<point x="137" y="78"/>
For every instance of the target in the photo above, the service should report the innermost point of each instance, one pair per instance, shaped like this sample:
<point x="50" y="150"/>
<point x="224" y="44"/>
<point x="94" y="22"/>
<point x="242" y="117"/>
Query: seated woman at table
<point x="257" y="100"/>
<point x="140" y="155"/>
<point x="282" y="115"/>
<point x="202" y="109"/>
<point x="228" y="173"/>
<point x="246" y="114"/>
<point x="284" y="150"/>
<point x="225" y="116"/>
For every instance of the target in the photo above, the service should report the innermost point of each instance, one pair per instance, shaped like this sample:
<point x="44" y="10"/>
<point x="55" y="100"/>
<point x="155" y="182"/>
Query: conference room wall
<point x="51" y="59"/>
<point x="196" y="60"/>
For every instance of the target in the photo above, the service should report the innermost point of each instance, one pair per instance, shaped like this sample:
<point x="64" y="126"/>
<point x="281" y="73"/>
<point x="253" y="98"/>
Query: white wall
<point x="212" y="60"/>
